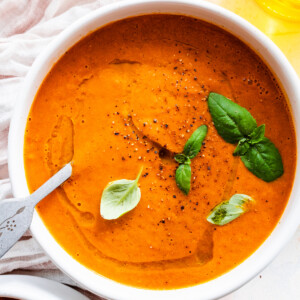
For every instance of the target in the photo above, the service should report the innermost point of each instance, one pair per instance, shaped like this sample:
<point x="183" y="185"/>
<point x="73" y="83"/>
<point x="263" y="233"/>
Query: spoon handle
<point x="16" y="214"/>
<point x="50" y="185"/>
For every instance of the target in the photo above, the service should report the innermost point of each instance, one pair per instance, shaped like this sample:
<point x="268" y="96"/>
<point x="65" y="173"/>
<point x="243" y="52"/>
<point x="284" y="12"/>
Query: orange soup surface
<point x="111" y="104"/>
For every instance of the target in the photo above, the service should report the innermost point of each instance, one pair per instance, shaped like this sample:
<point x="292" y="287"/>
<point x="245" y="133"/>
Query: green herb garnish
<point x="229" y="210"/>
<point x="183" y="177"/>
<point x="263" y="160"/>
<point x="236" y="125"/>
<point x="257" y="134"/>
<point x="194" y="143"/>
<point x="232" y="121"/>
<point x="191" y="149"/>
<point x="120" y="197"/>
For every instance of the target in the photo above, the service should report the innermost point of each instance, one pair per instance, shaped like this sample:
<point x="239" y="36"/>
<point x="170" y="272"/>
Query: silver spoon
<point x="16" y="213"/>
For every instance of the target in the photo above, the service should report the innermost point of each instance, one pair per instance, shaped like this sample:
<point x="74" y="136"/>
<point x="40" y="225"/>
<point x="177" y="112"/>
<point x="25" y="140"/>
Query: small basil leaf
<point x="242" y="147"/>
<point x="232" y="121"/>
<point x="180" y="158"/>
<point x="183" y="177"/>
<point x="229" y="210"/>
<point x="263" y="160"/>
<point x="119" y="197"/>
<point x="194" y="143"/>
<point x="257" y="134"/>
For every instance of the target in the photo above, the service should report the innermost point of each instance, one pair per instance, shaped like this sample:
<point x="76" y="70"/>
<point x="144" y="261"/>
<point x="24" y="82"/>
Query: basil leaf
<point x="183" y="177"/>
<point x="194" y="143"/>
<point x="263" y="160"/>
<point x="242" y="147"/>
<point x="236" y="125"/>
<point x="181" y="158"/>
<point x="119" y="197"/>
<point x="191" y="149"/>
<point x="232" y="121"/>
<point x="257" y="134"/>
<point x="229" y="210"/>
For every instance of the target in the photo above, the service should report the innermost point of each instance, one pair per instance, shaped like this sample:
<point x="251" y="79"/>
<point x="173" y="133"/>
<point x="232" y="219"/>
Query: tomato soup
<point x="126" y="96"/>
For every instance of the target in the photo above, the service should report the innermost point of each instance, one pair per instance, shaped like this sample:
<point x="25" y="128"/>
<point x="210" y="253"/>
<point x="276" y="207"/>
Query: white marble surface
<point x="279" y="281"/>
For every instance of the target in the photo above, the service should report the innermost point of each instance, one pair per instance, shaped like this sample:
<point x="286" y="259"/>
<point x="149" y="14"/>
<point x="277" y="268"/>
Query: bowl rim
<point x="96" y="283"/>
<point x="27" y="287"/>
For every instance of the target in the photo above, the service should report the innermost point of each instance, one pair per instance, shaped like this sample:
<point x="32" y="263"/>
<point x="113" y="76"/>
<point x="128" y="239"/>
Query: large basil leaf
<point x="194" y="143"/>
<point x="119" y="197"/>
<point x="232" y="121"/>
<point x="263" y="160"/>
<point x="183" y="177"/>
<point x="229" y="210"/>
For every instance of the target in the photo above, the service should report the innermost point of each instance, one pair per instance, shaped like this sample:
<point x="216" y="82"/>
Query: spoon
<point x="16" y="213"/>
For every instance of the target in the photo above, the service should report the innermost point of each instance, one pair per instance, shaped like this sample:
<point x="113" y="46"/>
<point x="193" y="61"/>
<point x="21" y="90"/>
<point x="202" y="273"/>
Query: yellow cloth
<point x="284" y="33"/>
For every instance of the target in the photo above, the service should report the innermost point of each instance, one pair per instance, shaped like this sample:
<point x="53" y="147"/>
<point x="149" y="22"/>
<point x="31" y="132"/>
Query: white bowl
<point x="35" y="288"/>
<point x="199" y="9"/>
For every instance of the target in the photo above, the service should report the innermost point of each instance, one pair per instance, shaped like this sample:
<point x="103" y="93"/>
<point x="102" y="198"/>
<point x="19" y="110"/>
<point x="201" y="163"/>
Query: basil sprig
<point x="229" y="210"/>
<point x="191" y="149"/>
<point x="236" y="125"/>
<point x="120" y="197"/>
